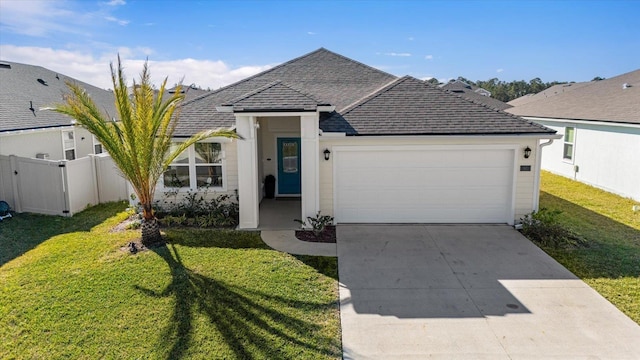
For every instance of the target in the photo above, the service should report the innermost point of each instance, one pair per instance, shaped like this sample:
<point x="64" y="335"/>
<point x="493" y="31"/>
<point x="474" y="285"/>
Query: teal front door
<point x="288" y="166"/>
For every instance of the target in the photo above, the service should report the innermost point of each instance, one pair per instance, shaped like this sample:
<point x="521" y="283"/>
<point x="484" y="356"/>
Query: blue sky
<point x="213" y="43"/>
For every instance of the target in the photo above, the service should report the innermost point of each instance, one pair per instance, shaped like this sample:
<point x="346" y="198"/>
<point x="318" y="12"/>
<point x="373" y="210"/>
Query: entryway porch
<point x="279" y="213"/>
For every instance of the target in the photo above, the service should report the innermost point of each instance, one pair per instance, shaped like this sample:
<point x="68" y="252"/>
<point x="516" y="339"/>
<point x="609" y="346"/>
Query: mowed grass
<point x="611" y="262"/>
<point x="67" y="291"/>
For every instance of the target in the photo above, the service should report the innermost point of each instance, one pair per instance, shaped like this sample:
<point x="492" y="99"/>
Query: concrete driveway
<point x="468" y="292"/>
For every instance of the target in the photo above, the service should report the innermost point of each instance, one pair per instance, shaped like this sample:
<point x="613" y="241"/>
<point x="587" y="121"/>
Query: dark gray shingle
<point x="20" y="90"/>
<point x="409" y="106"/>
<point x="274" y="97"/>
<point x="328" y="77"/>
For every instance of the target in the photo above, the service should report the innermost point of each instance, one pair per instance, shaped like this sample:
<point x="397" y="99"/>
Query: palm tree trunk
<point x="150" y="229"/>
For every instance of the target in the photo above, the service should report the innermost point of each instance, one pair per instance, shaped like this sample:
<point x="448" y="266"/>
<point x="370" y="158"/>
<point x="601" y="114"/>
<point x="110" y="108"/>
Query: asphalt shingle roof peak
<point x="325" y="76"/>
<point x="319" y="51"/>
<point x="275" y="96"/>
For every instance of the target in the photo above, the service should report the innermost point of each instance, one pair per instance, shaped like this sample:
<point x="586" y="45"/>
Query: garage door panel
<point x="417" y="177"/>
<point x="429" y="186"/>
<point x="422" y="198"/>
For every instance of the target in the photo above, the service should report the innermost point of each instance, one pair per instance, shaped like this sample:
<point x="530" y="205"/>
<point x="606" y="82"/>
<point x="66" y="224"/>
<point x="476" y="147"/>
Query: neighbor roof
<point x="471" y="92"/>
<point x="25" y="89"/>
<point x="367" y="101"/>
<point x="605" y="100"/>
<point x="409" y="106"/>
<point x="552" y="91"/>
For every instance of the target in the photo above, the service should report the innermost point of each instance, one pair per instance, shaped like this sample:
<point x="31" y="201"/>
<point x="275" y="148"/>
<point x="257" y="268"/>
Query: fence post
<point x="13" y="164"/>
<point x="95" y="175"/>
<point x="62" y="164"/>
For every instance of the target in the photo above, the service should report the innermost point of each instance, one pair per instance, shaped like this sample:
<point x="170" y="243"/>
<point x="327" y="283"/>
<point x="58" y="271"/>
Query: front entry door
<point x="288" y="166"/>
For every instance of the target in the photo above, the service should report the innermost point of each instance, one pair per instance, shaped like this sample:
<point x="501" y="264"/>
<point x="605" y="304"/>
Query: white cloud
<point x="499" y="70"/>
<point x="429" y="57"/>
<point x="397" y="54"/>
<point x="115" y="2"/>
<point x="311" y="33"/>
<point x="39" y="18"/>
<point x="410" y="38"/>
<point x="95" y="70"/>
<point x="116" y="20"/>
<point x="42" y="18"/>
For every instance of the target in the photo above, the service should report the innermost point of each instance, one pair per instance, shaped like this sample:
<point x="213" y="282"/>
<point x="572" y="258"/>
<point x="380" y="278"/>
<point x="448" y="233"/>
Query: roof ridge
<point x="494" y="109"/>
<point x="377" y="92"/>
<point x="267" y="87"/>
<point x="252" y="92"/>
<point x="320" y="50"/>
<point x="398" y="81"/>
<point x="357" y="62"/>
<point x="254" y="76"/>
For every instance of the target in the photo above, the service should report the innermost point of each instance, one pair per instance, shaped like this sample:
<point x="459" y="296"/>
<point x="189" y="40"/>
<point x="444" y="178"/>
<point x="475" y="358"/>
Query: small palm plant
<point x="140" y="141"/>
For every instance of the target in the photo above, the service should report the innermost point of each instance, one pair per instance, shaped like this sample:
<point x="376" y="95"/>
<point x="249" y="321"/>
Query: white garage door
<point x="452" y="185"/>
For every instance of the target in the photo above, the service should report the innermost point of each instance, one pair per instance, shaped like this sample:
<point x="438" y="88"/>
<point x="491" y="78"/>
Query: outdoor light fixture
<point x="326" y="154"/>
<point x="527" y="152"/>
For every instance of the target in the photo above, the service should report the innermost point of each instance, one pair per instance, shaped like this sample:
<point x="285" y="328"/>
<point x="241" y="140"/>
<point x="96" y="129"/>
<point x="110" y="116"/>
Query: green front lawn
<point x="68" y="291"/>
<point x="611" y="262"/>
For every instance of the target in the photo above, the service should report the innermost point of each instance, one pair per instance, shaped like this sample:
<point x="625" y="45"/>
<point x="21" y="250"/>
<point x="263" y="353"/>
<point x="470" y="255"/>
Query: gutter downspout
<point x="536" y="182"/>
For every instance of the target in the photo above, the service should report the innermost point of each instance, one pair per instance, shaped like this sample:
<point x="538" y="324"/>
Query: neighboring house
<point x="552" y="91"/>
<point x="360" y="145"/>
<point x="28" y="131"/>
<point x="190" y="92"/>
<point x="474" y="93"/>
<point x="600" y="122"/>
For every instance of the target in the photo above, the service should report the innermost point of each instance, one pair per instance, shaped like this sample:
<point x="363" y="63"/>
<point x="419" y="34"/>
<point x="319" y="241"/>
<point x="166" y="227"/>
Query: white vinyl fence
<point x="59" y="187"/>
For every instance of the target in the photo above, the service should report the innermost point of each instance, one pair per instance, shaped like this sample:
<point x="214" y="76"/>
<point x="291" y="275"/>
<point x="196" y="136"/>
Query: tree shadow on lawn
<point x="25" y="231"/>
<point x="603" y="257"/>
<point x="218" y="238"/>
<point x="250" y="327"/>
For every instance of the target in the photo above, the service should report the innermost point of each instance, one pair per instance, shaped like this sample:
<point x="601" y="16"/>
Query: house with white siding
<point x="600" y="125"/>
<point x="361" y="145"/>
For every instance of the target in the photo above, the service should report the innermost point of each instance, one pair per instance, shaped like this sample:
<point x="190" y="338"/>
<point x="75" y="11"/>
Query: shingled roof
<point x="552" y="91"/>
<point x="328" y="77"/>
<point x="607" y="100"/>
<point x="409" y="106"/>
<point x="367" y="101"/>
<point x="274" y="97"/>
<point x="24" y="89"/>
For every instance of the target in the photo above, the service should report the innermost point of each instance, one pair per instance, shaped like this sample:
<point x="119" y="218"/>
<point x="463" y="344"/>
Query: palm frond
<point x="140" y="141"/>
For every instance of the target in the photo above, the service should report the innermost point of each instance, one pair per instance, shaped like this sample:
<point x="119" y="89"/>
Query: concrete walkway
<point x="286" y="241"/>
<point x="469" y="292"/>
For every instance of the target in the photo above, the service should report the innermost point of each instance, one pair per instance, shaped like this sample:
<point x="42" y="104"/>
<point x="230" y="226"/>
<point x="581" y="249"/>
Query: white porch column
<point x="309" y="125"/>
<point x="247" y="172"/>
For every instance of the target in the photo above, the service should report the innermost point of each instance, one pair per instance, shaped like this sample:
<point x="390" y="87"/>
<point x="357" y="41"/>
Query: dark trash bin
<point x="270" y="186"/>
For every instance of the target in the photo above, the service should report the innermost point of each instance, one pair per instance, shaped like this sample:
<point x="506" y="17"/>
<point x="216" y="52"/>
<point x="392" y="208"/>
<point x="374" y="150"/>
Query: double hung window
<point x="200" y="165"/>
<point x="569" y="143"/>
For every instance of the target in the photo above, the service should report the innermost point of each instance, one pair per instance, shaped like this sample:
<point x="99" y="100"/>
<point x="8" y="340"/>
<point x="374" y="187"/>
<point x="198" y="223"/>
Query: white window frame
<point x="191" y="153"/>
<point x="96" y="142"/>
<point x="65" y="137"/>
<point x="572" y="143"/>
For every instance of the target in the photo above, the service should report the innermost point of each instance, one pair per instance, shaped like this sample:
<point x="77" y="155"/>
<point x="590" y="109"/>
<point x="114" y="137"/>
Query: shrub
<point x="317" y="223"/>
<point x="543" y="228"/>
<point x="195" y="210"/>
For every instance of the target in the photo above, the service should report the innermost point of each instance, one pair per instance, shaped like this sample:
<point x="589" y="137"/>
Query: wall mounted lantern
<point x="527" y="152"/>
<point x="326" y="153"/>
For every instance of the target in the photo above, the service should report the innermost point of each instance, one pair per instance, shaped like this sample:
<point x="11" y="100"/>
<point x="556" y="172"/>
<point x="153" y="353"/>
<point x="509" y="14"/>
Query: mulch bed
<point x="326" y="236"/>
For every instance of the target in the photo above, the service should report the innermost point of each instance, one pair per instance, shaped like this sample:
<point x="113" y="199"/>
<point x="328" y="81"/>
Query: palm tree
<point x="140" y="142"/>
